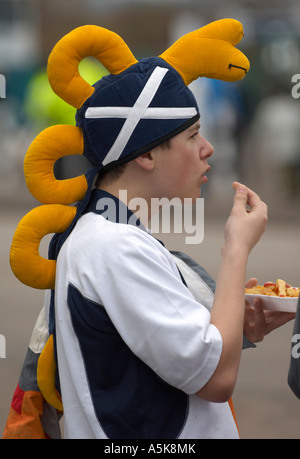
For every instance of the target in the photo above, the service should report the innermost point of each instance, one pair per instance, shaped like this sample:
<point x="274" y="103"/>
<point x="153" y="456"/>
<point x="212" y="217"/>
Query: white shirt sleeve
<point x="138" y="283"/>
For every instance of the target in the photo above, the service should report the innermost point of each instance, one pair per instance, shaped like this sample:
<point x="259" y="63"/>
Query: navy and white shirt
<point x="133" y="342"/>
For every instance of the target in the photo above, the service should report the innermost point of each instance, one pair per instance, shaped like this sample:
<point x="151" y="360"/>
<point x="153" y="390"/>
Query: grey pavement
<point x="265" y="405"/>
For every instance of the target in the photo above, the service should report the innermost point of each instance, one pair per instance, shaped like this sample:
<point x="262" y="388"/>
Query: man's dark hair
<point x="110" y="175"/>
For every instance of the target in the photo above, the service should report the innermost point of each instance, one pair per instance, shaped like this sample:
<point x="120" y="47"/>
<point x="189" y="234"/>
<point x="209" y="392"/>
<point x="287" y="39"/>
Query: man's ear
<point x="146" y="161"/>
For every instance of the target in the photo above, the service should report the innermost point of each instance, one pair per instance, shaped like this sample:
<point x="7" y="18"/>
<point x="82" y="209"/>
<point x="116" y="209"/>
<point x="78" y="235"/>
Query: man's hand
<point x="259" y="322"/>
<point x="247" y="220"/>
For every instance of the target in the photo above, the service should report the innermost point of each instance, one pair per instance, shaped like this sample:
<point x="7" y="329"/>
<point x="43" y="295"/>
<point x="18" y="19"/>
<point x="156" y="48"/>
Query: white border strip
<point x="150" y="113"/>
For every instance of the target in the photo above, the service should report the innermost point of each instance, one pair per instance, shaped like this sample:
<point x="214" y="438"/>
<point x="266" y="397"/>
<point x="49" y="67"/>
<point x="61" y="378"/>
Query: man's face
<point x="180" y="169"/>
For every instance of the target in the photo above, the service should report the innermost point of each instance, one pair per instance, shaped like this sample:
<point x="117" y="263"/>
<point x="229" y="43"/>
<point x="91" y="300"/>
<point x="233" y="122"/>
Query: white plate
<point x="275" y="303"/>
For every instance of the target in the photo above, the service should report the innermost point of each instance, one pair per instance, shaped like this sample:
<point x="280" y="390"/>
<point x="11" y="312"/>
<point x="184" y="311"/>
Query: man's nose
<point x="207" y="149"/>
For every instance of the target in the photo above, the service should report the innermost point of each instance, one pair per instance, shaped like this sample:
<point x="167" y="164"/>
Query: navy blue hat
<point x="133" y="112"/>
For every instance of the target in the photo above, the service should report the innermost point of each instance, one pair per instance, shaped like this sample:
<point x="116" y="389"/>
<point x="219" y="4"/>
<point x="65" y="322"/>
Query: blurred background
<point x="253" y="124"/>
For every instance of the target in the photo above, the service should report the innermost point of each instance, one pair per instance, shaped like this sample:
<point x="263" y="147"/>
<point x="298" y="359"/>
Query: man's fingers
<point x="252" y="198"/>
<point x="255" y="322"/>
<point x="260" y="320"/>
<point x="252" y="282"/>
<point x="275" y="319"/>
<point x="240" y="198"/>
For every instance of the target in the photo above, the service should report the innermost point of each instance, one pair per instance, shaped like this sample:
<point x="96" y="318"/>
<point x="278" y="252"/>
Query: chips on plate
<point x="276" y="296"/>
<point x="279" y="289"/>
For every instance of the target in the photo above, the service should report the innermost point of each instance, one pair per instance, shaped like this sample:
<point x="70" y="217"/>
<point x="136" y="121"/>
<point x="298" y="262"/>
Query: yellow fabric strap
<point x="46" y="371"/>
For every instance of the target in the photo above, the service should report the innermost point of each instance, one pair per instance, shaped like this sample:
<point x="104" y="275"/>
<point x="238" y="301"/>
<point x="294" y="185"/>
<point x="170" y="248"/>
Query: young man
<point x="138" y="356"/>
<point x="144" y="347"/>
